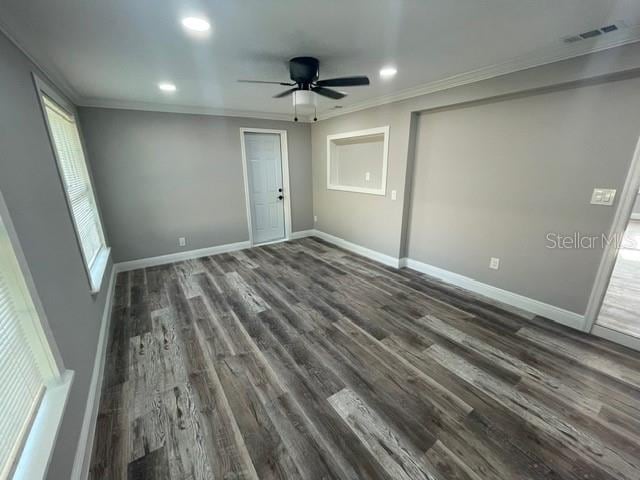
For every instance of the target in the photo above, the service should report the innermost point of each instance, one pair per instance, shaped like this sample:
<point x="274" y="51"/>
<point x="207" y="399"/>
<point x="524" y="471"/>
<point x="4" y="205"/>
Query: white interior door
<point x="264" y="172"/>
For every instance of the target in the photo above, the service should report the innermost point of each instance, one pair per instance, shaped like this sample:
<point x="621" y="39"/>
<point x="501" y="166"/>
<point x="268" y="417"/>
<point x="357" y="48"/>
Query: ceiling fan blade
<point x="267" y="82"/>
<point x="327" y="92"/>
<point x="285" y="93"/>
<point x="344" y="82"/>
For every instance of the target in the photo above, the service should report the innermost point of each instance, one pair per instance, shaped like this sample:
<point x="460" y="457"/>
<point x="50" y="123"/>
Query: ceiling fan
<point x="305" y="71"/>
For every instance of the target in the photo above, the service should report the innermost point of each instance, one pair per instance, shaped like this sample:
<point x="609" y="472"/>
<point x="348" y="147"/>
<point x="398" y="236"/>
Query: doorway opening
<point x="620" y="309"/>
<point x="265" y="166"/>
<point x="614" y="308"/>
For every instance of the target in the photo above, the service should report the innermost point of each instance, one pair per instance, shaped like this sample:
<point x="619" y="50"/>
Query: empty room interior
<point x="367" y="239"/>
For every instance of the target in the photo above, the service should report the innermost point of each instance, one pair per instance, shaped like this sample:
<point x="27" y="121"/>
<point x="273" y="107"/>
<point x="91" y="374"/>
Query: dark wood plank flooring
<point x="301" y="360"/>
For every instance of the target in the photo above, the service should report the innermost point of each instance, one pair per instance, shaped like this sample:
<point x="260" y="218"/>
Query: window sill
<point x="38" y="449"/>
<point x="98" y="269"/>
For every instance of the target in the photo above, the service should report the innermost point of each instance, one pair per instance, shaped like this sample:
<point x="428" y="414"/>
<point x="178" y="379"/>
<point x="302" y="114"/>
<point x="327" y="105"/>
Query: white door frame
<point x="608" y="262"/>
<point x="286" y="191"/>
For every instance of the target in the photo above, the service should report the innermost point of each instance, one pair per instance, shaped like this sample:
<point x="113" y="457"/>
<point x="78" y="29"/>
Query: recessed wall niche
<point x="357" y="161"/>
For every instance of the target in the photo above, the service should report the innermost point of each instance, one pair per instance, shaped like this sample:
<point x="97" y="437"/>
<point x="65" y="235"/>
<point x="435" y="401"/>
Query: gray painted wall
<point x="34" y="196"/>
<point x="373" y="221"/>
<point x="160" y="176"/>
<point x="382" y="224"/>
<point x="377" y="222"/>
<point x="492" y="180"/>
<point x="351" y="161"/>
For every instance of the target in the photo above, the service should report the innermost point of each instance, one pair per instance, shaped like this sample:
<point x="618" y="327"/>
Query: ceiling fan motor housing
<point x="304" y="70"/>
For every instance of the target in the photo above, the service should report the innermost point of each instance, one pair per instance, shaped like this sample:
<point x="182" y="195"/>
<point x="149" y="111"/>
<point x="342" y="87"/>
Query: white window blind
<point x="75" y="177"/>
<point x="22" y="377"/>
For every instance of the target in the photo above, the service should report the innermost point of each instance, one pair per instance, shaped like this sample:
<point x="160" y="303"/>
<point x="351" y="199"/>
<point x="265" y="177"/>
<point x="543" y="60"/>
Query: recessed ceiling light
<point x="167" y="87"/>
<point x="196" y="24"/>
<point x="388" y="72"/>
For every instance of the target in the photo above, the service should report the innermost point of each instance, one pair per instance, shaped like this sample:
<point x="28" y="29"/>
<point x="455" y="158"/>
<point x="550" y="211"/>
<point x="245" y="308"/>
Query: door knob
<point x="280" y="190"/>
<point x="280" y="197"/>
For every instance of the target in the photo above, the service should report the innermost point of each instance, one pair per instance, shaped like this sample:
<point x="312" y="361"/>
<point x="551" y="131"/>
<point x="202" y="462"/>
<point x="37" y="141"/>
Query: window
<point x="27" y="366"/>
<point x="357" y="161"/>
<point x="72" y="166"/>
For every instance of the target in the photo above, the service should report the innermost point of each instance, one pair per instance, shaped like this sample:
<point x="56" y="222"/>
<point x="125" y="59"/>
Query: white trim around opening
<point x="608" y="262"/>
<point x="284" y="153"/>
<point x="35" y="445"/>
<point x="363" y="134"/>
<point x="51" y="100"/>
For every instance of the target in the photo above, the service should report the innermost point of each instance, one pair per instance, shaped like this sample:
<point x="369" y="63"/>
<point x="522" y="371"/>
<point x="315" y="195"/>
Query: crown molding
<point x="535" y="59"/>
<point x="49" y="73"/>
<point x="186" y="109"/>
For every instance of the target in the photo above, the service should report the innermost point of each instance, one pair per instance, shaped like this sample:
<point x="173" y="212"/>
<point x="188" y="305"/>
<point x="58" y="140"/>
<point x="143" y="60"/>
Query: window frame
<point x="384" y="131"/>
<point x="95" y="271"/>
<point x="36" y="447"/>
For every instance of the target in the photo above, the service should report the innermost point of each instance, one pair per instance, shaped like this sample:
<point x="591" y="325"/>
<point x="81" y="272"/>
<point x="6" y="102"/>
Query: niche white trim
<point x="364" y="135"/>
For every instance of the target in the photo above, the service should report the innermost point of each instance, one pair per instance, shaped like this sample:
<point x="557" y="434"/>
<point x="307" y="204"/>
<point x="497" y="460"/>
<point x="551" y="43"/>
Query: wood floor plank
<point x="606" y="462"/>
<point x="266" y="449"/>
<point x="614" y="369"/>
<point x="448" y="465"/>
<point x="418" y="418"/>
<point x="303" y="360"/>
<point x="225" y="445"/>
<point x="399" y="458"/>
<point x="310" y="393"/>
<point x="493" y="441"/>
<point x="152" y="466"/>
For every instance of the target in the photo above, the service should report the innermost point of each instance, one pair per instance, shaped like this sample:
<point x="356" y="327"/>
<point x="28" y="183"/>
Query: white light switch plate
<point x="394" y="194"/>
<point x="603" y="196"/>
<point x="182" y="242"/>
<point x="494" y="264"/>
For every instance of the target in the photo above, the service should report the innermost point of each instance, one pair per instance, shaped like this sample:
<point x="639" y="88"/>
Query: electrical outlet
<point x="367" y="176"/>
<point x="494" y="264"/>
<point x="315" y="218"/>
<point x="394" y="195"/>
<point x="182" y="242"/>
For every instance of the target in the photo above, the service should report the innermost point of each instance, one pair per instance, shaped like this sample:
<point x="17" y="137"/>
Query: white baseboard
<point x="190" y="254"/>
<point x="293" y="236"/>
<point x="84" y="449"/>
<point x="560" y="315"/>
<point x="360" y="250"/>
<point x="565" y="317"/>
<point x="635" y="216"/>
<point x="302" y="234"/>
<point x="180" y="256"/>
<point x="617" y="337"/>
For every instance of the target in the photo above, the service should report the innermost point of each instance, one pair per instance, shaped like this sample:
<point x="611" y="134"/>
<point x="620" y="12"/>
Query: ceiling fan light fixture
<point x="305" y="102"/>
<point x="307" y="86"/>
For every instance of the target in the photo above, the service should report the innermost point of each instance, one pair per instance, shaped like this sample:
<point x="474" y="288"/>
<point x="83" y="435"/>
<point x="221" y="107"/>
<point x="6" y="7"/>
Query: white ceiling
<point x="114" y="52"/>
